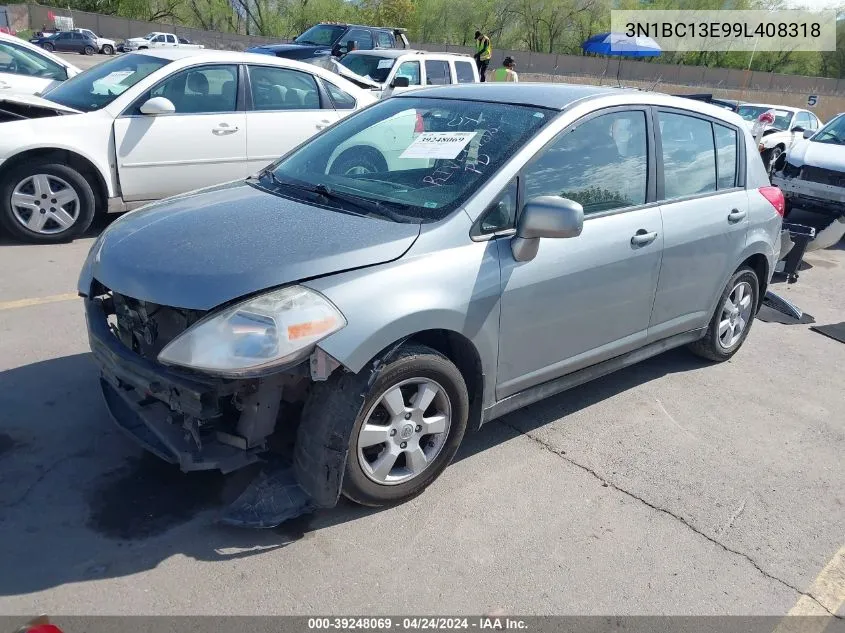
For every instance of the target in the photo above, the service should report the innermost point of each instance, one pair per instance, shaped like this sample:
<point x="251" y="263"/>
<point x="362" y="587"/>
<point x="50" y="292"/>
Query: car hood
<point x="137" y="40"/>
<point x="206" y="248"/>
<point x="825" y="155"/>
<point x="24" y="106"/>
<point x="358" y="80"/>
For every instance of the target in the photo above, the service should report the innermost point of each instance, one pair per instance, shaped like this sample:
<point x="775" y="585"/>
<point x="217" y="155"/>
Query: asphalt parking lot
<point x="672" y="487"/>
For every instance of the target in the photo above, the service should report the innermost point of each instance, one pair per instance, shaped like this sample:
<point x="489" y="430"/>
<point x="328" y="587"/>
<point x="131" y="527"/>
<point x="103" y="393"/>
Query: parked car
<point x="157" y="39"/>
<point x="104" y="45"/>
<point x="390" y="71"/>
<point x="107" y="140"/>
<point x="554" y="234"/>
<point x="321" y="41"/>
<point x="67" y="42"/>
<point x="812" y="172"/>
<point x="775" y="138"/>
<point x="28" y="69"/>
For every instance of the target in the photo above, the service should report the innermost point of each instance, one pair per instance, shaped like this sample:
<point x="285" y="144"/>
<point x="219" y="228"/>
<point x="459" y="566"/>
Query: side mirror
<point x="158" y="105"/>
<point x="545" y="216"/>
<point x="798" y="128"/>
<point x="401" y="82"/>
<point x="808" y="133"/>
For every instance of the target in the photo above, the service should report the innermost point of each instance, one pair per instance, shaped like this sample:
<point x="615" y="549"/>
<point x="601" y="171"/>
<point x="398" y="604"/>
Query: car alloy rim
<point x="736" y="313"/>
<point x="404" y="431"/>
<point x="45" y="204"/>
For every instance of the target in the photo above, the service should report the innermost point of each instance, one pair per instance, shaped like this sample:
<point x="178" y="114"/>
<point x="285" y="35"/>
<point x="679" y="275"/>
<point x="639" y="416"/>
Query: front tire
<point x="732" y="320"/>
<point x="48" y="47"/>
<point x="358" y="161"/>
<point x="108" y="49"/>
<point x="44" y="202"/>
<point x="770" y="157"/>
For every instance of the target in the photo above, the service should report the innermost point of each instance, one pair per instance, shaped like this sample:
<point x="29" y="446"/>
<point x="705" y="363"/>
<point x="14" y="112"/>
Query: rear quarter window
<point x="463" y="72"/>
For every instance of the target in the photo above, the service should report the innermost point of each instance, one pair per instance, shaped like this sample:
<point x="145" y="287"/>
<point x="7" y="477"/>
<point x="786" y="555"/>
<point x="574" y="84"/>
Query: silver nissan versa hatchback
<point x="488" y="246"/>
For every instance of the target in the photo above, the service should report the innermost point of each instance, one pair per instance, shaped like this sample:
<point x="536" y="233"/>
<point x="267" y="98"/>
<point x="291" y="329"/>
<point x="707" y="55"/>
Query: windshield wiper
<point x="364" y="204"/>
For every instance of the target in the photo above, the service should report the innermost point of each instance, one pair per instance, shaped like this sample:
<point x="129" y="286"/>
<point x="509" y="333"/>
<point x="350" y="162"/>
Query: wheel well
<point x="462" y="352"/>
<point x="760" y="265"/>
<point x="357" y="150"/>
<point x="71" y="159"/>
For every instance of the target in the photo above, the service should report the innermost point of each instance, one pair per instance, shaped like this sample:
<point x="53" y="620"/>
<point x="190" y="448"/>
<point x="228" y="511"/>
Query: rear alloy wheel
<point x="108" y="49"/>
<point x="733" y="318"/>
<point x="45" y="203"/>
<point x="88" y="50"/>
<point x="48" y="47"/>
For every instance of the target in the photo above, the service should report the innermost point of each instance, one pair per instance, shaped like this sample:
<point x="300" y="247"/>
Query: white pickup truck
<point x="157" y="39"/>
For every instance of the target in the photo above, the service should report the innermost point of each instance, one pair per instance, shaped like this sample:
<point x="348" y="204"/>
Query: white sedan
<point x="153" y="124"/>
<point x="28" y="69"/>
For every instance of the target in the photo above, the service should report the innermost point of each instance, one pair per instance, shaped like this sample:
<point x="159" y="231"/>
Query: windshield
<point x="372" y="66"/>
<point x="150" y="36"/>
<point x="322" y="35"/>
<point x="750" y="113"/>
<point x="833" y="132"/>
<point x="99" y="86"/>
<point x="414" y="159"/>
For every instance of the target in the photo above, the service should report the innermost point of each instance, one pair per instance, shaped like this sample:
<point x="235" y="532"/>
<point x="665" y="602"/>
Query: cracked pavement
<point x="672" y="487"/>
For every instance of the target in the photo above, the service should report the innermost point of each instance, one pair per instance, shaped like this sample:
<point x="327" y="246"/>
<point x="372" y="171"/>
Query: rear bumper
<point x="177" y="417"/>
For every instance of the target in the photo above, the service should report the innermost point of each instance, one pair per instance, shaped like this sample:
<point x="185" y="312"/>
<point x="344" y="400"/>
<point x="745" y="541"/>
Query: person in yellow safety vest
<point x="506" y="72"/>
<point x="483" y="53"/>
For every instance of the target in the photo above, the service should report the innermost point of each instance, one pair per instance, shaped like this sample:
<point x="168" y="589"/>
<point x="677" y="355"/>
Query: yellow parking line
<point x="36" y="301"/>
<point x="828" y="589"/>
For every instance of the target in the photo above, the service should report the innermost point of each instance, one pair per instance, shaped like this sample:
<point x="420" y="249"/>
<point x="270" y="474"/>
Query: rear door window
<point x="437" y="72"/>
<point x="463" y="72"/>
<point x="726" y="156"/>
<point x="689" y="155"/>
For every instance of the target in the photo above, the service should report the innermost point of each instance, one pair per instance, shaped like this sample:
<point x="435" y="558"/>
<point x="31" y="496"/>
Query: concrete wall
<point x="730" y="83"/>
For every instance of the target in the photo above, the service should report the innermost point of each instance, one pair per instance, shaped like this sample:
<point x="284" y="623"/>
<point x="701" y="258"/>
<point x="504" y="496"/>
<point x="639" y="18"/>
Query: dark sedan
<point x="67" y="42"/>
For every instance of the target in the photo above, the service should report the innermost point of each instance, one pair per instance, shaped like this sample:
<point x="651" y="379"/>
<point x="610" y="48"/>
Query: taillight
<point x="775" y="196"/>
<point x="419" y="128"/>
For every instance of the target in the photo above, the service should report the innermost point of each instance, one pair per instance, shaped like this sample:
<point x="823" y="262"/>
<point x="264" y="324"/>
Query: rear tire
<point x="108" y="49"/>
<point x="358" y="161"/>
<point x="44" y="181"/>
<point x="48" y="47"/>
<point x="731" y="322"/>
<point x="88" y="50"/>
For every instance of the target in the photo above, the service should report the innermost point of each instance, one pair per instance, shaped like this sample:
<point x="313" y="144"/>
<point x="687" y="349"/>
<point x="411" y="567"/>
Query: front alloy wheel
<point x="45" y="204"/>
<point x="404" y="431"/>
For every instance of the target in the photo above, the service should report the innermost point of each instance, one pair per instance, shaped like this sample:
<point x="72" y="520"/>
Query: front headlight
<point x="276" y="328"/>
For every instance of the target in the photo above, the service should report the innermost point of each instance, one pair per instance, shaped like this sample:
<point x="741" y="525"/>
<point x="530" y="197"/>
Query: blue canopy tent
<point x="621" y="45"/>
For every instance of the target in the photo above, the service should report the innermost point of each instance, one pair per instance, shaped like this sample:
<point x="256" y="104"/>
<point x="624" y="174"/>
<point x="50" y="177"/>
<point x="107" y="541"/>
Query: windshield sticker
<point x="430" y="205"/>
<point x="116" y="77"/>
<point x="385" y="63"/>
<point x="438" y="145"/>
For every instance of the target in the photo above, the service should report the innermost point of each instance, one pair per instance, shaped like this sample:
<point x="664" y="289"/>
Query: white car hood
<point x="355" y="78"/>
<point x="33" y="100"/>
<point x="825" y="155"/>
<point x="138" y="40"/>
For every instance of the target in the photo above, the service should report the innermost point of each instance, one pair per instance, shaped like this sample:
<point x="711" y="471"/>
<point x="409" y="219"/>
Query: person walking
<point x="506" y="72"/>
<point x="483" y="53"/>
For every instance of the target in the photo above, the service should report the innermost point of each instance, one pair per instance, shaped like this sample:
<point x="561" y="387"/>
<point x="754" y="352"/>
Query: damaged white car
<point x="778" y="132"/>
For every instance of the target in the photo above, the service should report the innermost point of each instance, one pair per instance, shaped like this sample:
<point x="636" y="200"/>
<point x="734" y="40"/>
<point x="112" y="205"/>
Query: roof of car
<point x="556" y="96"/>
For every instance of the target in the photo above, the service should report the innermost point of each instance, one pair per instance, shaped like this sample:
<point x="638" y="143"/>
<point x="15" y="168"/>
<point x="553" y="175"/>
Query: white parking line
<point x="36" y="301"/>
<point x="828" y="589"/>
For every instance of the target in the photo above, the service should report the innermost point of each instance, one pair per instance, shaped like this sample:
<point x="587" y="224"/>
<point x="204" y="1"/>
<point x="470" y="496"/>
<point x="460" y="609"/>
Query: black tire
<point x="350" y="397"/>
<point x="108" y="49"/>
<point x="770" y="157"/>
<point x="359" y="160"/>
<point x="83" y="189"/>
<point x="48" y="47"/>
<point x="88" y="50"/>
<point x="710" y="347"/>
<point x="143" y="48"/>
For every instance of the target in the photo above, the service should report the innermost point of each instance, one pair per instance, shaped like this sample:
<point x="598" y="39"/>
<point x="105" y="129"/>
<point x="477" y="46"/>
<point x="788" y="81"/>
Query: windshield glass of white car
<point x="410" y="159"/>
<point x="750" y="113"/>
<point x="833" y="132"/>
<point x="102" y="84"/>
<point x="372" y="66"/>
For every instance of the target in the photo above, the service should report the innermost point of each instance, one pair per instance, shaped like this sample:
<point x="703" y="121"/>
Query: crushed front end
<point x="204" y="422"/>
<point x="808" y="186"/>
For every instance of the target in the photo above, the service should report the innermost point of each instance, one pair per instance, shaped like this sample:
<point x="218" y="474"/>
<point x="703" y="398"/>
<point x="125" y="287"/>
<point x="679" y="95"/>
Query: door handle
<point x="322" y="125"/>
<point x="643" y="237"/>
<point x="736" y="215"/>
<point x="224" y="129"/>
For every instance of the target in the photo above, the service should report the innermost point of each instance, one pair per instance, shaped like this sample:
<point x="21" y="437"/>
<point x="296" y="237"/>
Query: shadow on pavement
<point x="79" y="502"/>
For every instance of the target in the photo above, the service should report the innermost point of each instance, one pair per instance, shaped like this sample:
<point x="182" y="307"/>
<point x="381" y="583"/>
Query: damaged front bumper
<point x="204" y="423"/>
<point x="815" y="195"/>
